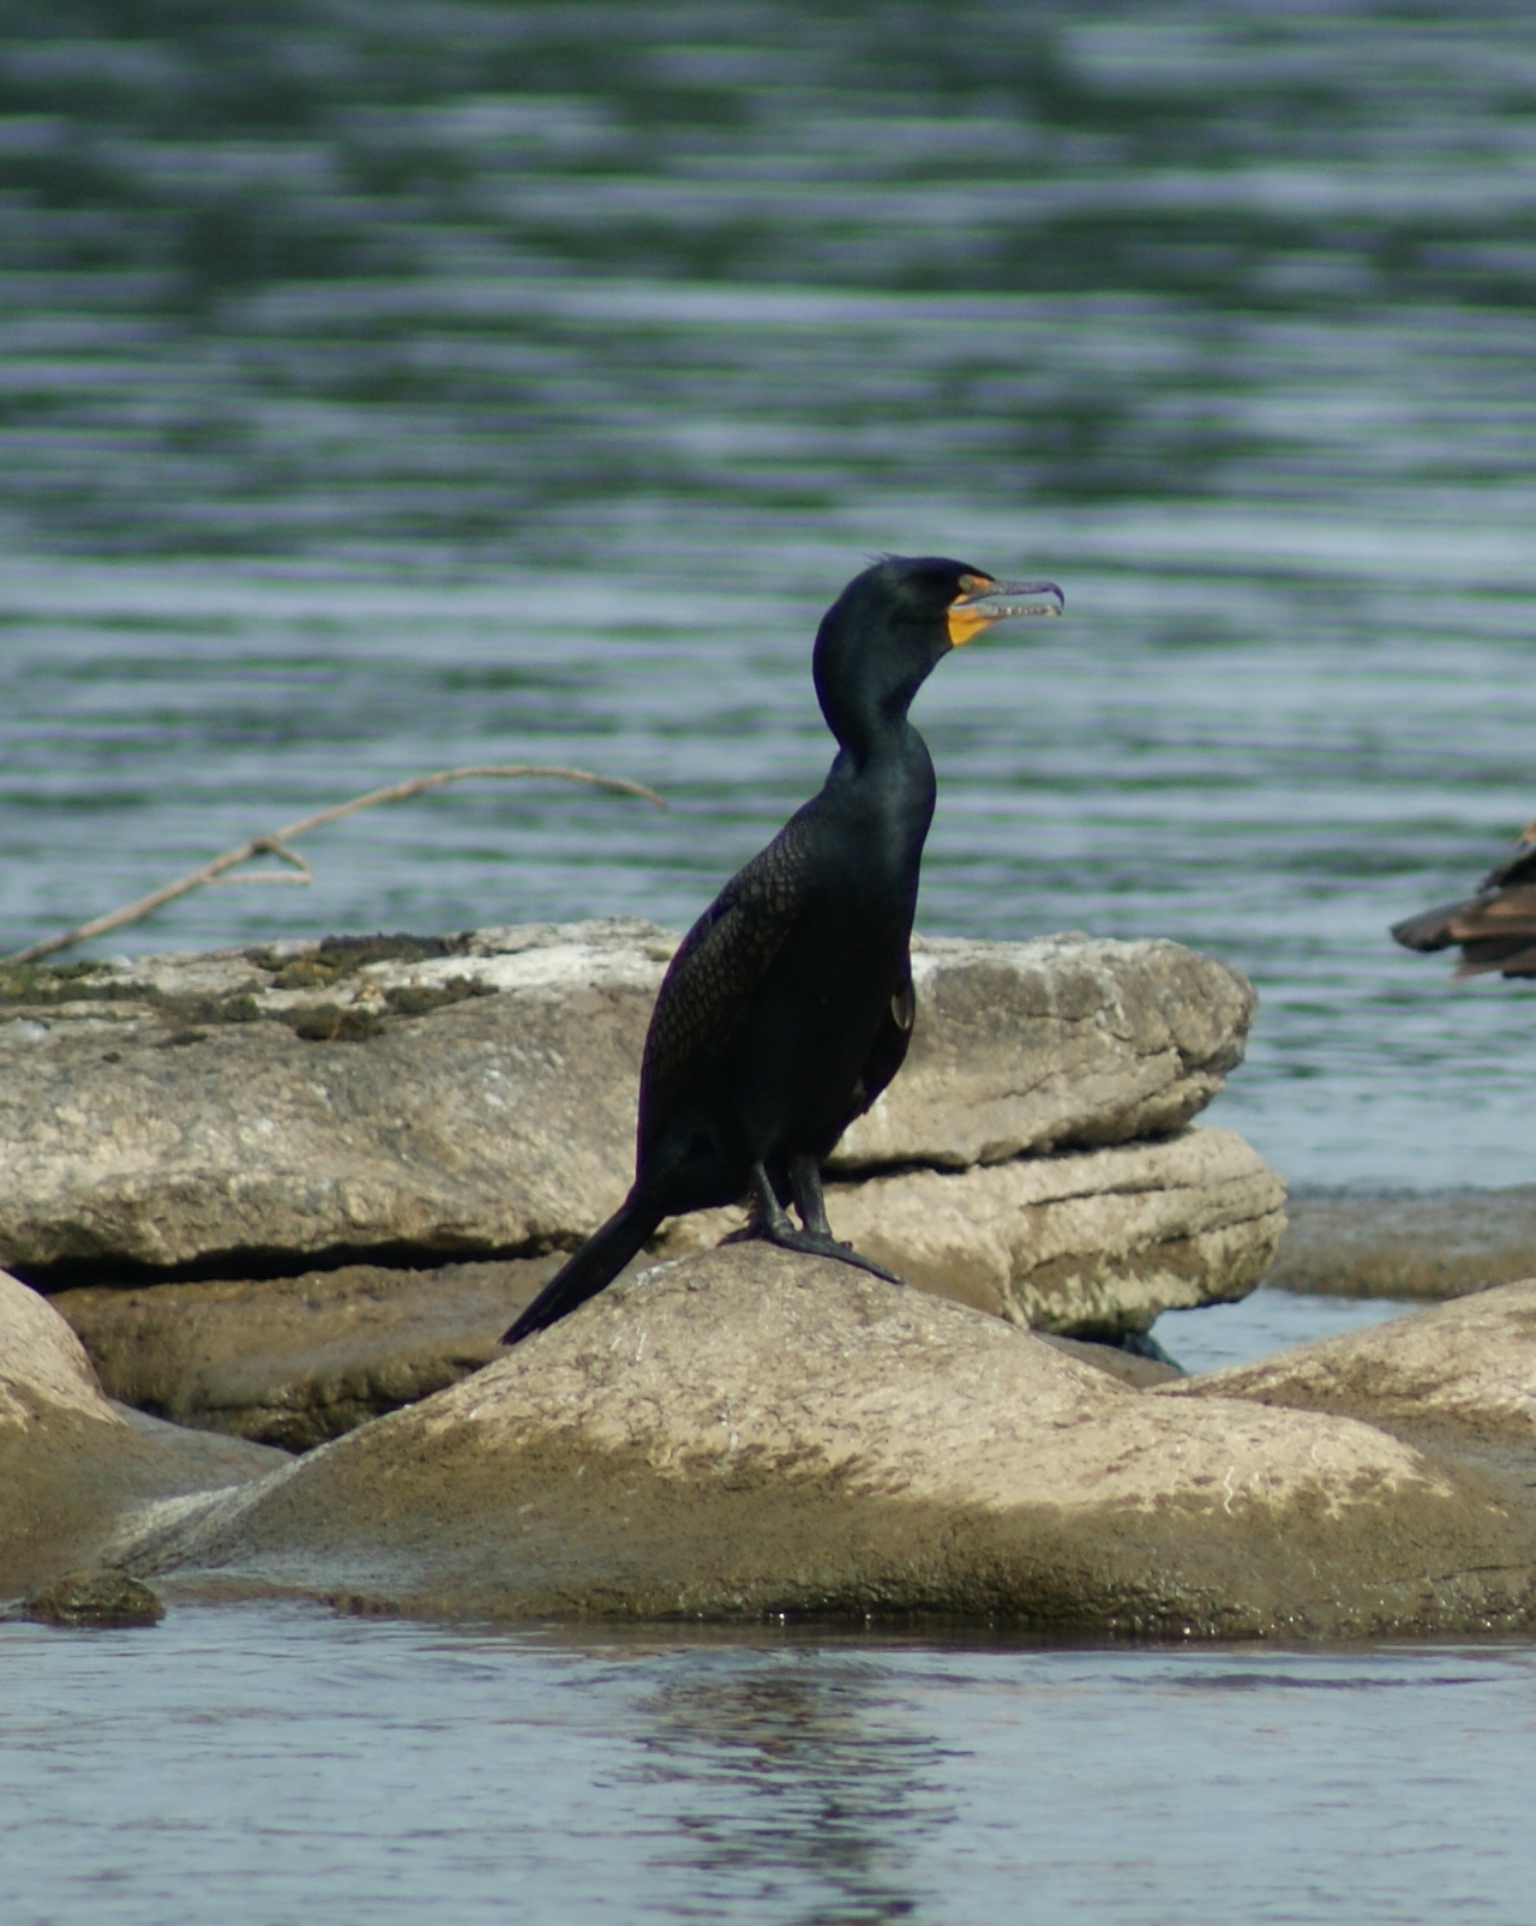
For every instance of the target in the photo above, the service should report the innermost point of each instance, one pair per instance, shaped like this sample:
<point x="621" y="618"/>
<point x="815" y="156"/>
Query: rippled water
<point x="399" y="387"/>
<point x="390" y="387"/>
<point x="268" y="1763"/>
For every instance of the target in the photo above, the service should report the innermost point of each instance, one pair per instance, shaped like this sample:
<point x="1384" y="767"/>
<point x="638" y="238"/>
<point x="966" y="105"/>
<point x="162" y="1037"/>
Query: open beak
<point x="981" y="602"/>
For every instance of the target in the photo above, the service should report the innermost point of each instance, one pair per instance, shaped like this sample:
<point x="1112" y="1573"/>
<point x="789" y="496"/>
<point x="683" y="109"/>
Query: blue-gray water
<point x="272" y="1765"/>
<point x="396" y="386"/>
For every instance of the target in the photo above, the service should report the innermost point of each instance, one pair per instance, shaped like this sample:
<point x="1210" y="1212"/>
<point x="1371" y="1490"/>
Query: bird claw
<point x="810" y="1244"/>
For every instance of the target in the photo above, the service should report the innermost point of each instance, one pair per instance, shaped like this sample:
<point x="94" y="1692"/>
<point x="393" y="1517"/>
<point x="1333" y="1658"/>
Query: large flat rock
<point x="425" y="1100"/>
<point x="178" y="1117"/>
<point x="747" y="1431"/>
<point x="75" y="1469"/>
<point x="1066" y="1041"/>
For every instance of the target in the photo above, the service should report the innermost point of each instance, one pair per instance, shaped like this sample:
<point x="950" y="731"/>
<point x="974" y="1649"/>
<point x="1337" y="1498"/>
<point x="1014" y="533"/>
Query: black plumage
<point x="1496" y="928"/>
<point x="788" y="1007"/>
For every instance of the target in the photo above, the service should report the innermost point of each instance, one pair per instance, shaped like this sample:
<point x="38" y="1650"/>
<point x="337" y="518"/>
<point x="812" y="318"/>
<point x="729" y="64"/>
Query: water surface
<point x="425" y="385"/>
<point x="259" y="1762"/>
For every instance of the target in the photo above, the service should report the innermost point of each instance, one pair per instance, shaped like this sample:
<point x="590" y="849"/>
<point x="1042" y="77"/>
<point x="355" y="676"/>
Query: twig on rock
<point x="276" y="844"/>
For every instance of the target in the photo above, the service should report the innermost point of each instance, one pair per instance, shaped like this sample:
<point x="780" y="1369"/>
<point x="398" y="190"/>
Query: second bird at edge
<point x="789" y="1005"/>
<point x="1496" y="928"/>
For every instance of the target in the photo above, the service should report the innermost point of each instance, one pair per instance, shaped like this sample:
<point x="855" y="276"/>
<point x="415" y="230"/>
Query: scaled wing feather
<point x="721" y="961"/>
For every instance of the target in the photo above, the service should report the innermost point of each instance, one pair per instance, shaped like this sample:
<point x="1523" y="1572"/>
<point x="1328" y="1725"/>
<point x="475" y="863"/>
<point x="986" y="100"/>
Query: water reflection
<point x="804" y="1769"/>
<point x="269" y="1762"/>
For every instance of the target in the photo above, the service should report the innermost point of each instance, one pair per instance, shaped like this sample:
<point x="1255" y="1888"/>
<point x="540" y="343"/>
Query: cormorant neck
<point x="865" y="710"/>
<point x="875" y="648"/>
<point x="867" y="732"/>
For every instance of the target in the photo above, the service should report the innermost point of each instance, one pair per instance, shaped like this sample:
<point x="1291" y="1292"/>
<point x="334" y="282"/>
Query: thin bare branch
<point x="276" y="841"/>
<point x="270" y="846"/>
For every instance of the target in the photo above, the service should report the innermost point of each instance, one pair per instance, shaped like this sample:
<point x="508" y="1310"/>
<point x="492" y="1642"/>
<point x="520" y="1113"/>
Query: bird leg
<point x="805" y="1184"/>
<point x="771" y="1222"/>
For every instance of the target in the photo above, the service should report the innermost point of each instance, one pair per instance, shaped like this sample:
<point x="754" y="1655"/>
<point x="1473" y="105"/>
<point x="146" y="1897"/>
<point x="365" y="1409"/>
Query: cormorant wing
<point x="721" y="961"/>
<point x="889" y="1050"/>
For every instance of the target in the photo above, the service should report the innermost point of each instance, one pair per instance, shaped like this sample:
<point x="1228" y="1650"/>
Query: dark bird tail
<point x="595" y="1265"/>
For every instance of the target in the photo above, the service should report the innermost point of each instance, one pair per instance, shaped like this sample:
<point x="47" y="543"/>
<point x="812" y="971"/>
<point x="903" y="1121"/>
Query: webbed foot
<point x="772" y="1224"/>
<point x="815" y="1244"/>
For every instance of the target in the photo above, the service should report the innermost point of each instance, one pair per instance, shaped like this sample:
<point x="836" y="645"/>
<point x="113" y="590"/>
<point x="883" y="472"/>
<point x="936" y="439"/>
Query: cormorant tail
<point x="595" y="1265"/>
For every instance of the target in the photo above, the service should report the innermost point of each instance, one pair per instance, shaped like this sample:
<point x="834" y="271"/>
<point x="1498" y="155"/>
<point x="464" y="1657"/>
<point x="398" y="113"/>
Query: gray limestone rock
<point x="260" y="1104"/>
<point x="425" y="1100"/>
<point x="1069" y="1040"/>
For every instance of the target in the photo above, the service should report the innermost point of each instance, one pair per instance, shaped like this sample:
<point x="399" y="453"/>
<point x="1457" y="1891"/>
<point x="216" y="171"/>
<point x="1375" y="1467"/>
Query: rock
<point x="748" y="1431"/>
<point x="98" y="1601"/>
<point x="415" y="1100"/>
<point x="279" y="1112"/>
<point x="177" y="1117"/>
<point x="1462" y="1374"/>
<point x="295" y="1361"/>
<point x="1093" y="1243"/>
<point x="73" y="1467"/>
<point x="1068" y="1040"/>
<point x="1430" y="1244"/>
<point x="1128" y="1366"/>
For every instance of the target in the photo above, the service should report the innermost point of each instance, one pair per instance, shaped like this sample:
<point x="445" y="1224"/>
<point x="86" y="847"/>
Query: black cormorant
<point x="788" y="1007"/>
<point x="1496" y="928"/>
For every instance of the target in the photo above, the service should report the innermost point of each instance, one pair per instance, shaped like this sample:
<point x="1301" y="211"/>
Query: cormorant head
<point x="882" y="636"/>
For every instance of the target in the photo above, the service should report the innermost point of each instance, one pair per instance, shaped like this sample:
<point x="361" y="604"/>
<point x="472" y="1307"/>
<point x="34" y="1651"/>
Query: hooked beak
<point x="981" y="602"/>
